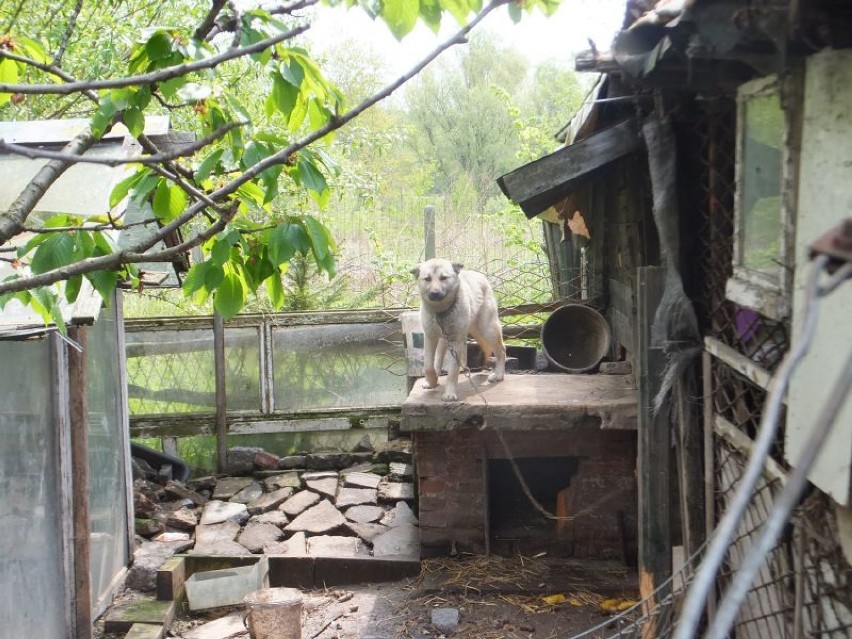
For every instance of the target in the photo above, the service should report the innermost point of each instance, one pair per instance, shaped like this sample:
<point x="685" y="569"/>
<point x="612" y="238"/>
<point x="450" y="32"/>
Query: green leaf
<point x="284" y="96"/>
<point x="297" y="115"/>
<point x="459" y="9"/>
<point x="312" y="179"/>
<point x="169" y="88"/>
<point x="430" y="11"/>
<point x="159" y="46"/>
<point x="207" y="165"/>
<point x="169" y="201"/>
<point x="401" y="16"/>
<point x="103" y="116"/>
<point x="292" y="72"/>
<point x="72" y="288"/>
<point x="134" y="120"/>
<point x="284" y="240"/>
<point x="8" y="75"/>
<point x="195" y="278"/>
<point x="120" y="190"/>
<point x="275" y="290"/>
<point x="221" y="252"/>
<point x="57" y="250"/>
<point x="32" y="49"/>
<point x="104" y="283"/>
<point x="230" y="295"/>
<point x="213" y="277"/>
<point x="252" y="192"/>
<point x="147" y="184"/>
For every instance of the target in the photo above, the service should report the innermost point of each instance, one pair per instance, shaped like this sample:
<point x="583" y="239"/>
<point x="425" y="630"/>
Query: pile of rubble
<point x="313" y="504"/>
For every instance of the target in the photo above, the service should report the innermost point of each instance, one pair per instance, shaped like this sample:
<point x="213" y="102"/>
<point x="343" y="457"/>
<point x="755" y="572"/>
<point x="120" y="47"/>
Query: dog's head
<point x="437" y="279"/>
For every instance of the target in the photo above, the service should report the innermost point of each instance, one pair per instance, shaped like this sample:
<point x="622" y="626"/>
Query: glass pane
<point x="760" y="201"/>
<point x="31" y="591"/>
<point x="342" y="365"/>
<point x="170" y="372"/>
<point x="107" y="496"/>
<point x="242" y="369"/>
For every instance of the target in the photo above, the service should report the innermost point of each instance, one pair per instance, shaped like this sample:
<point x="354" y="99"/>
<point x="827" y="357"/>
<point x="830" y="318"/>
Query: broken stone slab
<point x="176" y="490"/>
<point x="336" y="546"/>
<point x="269" y="501"/>
<point x="400" y="514"/>
<point x="208" y="482"/>
<point x="399" y="541"/>
<point x="144" y="506"/>
<point x="266" y="461"/>
<point x="319" y="474"/>
<point x="398" y="450"/>
<point x="257" y="535"/>
<point x="283" y="480"/>
<point x="219" y="547"/>
<point x="320" y="519"/>
<point x="122" y="617"/>
<point x="216" y="512"/>
<point x="148" y="527"/>
<point x="445" y="620"/>
<point x="363" y="467"/>
<point x="364" y="445"/>
<point x="247" y="494"/>
<point x="275" y="517"/>
<point x="182" y="519"/>
<point x="296" y="546"/>
<point x="291" y="462"/>
<point x="367" y="532"/>
<point x="364" y="514"/>
<point x="227" y="530"/>
<point x="335" y="461"/>
<point x="325" y="486"/>
<point x="361" y="480"/>
<point x="394" y="491"/>
<point x="223" y="628"/>
<point x="240" y="460"/>
<point x="356" y="497"/>
<point x="299" y="502"/>
<point x="400" y="470"/>
<point x="227" y="487"/>
<point x="147" y="560"/>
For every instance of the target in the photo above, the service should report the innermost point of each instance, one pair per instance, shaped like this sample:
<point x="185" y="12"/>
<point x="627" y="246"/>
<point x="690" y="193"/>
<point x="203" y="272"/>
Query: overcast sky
<point x="558" y="37"/>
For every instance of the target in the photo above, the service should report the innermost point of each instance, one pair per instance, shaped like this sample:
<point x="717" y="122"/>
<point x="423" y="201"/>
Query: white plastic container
<point x="412" y="330"/>
<point x="226" y="587"/>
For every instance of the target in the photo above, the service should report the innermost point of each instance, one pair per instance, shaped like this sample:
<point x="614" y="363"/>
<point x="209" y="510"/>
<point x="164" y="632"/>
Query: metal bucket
<point x="575" y="338"/>
<point x="274" y="613"/>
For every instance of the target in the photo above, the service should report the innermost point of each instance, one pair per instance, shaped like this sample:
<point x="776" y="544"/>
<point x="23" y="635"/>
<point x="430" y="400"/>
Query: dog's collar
<point x="442" y="314"/>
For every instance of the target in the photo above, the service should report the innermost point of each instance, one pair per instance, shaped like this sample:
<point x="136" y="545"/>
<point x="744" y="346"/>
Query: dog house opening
<point x="516" y="525"/>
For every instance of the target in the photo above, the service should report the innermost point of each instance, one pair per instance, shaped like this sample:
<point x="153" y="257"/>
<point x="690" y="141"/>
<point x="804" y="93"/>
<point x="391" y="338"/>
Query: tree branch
<point x="12" y="221"/>
<point x="72" y="23"/>
<point x="115" y="160"/>
<point x="154" y="76"/>
<point x="209" y="21"/>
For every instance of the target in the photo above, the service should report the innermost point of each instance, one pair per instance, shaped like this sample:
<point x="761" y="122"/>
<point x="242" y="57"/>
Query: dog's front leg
<point x="430" y="345"/>
<point x="455" y="361"/>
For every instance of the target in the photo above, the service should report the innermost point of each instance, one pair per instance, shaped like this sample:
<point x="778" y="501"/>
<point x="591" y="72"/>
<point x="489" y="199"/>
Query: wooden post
<point x="654" y="447"/>
<point x="79" y="419"/>
<point x="429" y="232"/>
<point x="221" y="403"/>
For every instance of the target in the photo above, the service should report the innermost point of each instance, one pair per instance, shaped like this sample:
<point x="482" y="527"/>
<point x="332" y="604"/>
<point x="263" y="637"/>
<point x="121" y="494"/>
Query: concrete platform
<point x="525" y="402"/>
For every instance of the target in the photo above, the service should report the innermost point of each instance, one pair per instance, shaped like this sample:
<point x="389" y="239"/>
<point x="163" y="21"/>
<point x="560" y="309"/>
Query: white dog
<point x="454" y="304"/>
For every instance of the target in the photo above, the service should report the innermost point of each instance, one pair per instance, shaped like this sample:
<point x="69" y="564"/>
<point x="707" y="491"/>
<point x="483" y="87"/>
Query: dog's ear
<point x="415" y="271"/>
<point x="457" y="267"/>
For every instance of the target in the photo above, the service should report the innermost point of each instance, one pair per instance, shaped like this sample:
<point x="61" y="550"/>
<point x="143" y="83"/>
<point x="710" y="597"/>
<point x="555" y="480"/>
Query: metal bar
<point x="709" y="465"/>
<point x="124" y="419"/>
<point x="80" y="479"/>
<point x="221" y="400"/>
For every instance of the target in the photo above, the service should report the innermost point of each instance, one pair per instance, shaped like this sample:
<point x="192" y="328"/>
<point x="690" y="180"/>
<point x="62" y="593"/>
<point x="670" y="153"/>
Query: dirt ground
<point x="496" y="598"/>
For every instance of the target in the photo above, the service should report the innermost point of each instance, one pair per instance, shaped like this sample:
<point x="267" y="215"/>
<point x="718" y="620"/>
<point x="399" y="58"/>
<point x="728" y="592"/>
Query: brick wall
<point x="453" y="500"/>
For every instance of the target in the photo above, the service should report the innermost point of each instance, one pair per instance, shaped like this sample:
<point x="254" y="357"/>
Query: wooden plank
<point x="739" y="362"/>
<point x="744" y="444"/>
<point x="653" y="463"/>
<point x="79" y="421"/>
<point x="171" y="580"/>
<point x="221" y="400"/>
<point x="540" y="184"/>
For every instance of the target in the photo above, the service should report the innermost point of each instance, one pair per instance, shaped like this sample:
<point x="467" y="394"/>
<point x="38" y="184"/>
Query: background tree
<point x="240" y="191"/>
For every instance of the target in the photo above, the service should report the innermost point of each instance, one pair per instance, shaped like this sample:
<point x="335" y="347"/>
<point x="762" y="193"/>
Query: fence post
<point x="429" y="232"/>
<point x="221" y="403"/>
